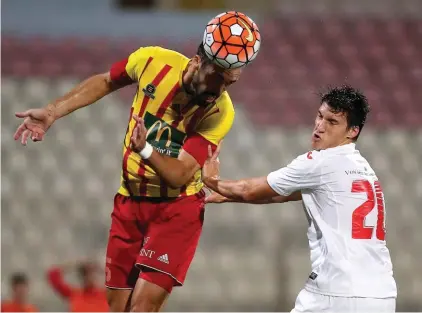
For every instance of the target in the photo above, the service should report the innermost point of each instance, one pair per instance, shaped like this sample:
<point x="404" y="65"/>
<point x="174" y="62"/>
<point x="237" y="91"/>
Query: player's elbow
<point x="181" y="176"/>
<point x="175" y="184"/>
<point x="178" y="181"/>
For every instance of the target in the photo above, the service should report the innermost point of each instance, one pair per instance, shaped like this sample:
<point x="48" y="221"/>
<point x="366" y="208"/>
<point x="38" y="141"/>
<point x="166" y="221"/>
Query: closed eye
<point x="332" y="121"/>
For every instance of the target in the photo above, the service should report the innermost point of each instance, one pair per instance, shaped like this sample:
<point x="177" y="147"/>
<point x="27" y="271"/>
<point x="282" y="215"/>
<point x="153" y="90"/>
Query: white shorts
<point x="308" y="301"/>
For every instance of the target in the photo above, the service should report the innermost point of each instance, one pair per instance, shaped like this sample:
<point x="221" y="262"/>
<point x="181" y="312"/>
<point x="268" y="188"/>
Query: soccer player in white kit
<point x="343" y="202"/>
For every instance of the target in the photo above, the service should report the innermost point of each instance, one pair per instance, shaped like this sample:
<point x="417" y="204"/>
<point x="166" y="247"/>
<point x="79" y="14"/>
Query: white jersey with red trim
<point x="344" y="204"/>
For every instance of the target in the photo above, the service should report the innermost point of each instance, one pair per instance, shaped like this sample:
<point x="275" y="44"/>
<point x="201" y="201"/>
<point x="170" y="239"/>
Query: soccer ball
<point x="231" y="40"/>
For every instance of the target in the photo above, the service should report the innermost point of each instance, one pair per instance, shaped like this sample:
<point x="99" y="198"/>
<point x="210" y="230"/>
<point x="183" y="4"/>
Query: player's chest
<point x="169" y="120"/>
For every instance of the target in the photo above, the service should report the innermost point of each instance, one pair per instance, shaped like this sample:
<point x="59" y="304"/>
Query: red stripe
<point x="126" y="156"/>
<point x="144" y="181"/>
<point x="199" y="113"/>
<point x="180" y="117"/>
<point x="125" y="172"/>
<point x="141" y="171"/>
<point x="128" y="124"/>
<point x="177" y="121"/>
<point x="156" y="81"/>
<point x="167" y="101"/>
<point x="146" y="65"/>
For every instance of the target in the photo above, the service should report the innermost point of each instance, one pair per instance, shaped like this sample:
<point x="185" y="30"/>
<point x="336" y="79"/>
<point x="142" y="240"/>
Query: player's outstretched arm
<point x="215" y="197"/>
<point x="37" y="121"/>
<point x="251" y="190"/>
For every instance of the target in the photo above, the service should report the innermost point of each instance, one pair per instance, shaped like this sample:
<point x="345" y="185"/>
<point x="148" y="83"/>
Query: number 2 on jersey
<point x="359" y="230"/>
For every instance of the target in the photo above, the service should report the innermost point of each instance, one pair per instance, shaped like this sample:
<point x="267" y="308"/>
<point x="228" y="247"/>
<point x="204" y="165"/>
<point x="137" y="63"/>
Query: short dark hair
<point x="203" y="55"/>
<point x="350" y="101"/>
<point x="18" y="279"/>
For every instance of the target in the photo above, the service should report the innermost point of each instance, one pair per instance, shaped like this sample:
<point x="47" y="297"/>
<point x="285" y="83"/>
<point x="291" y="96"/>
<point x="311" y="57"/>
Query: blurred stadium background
<point x="57" y="196"/>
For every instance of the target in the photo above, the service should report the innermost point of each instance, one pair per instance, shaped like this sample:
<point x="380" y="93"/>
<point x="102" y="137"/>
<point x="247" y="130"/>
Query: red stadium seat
<point x="382" y="57"/>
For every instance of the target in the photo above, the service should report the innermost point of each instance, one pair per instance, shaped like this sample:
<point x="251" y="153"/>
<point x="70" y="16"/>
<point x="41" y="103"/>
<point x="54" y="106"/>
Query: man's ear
<point x="353" y="132"/>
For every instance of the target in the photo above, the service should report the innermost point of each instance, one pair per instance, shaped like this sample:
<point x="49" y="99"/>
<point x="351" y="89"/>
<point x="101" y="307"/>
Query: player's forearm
<point x="170" y="169"/>
<point x="85" y="93"/>
<point x="261" y="201"/>
<point x="235" y="190"/>
<point x="252" y="190"/>
<point x="297" y="196"/>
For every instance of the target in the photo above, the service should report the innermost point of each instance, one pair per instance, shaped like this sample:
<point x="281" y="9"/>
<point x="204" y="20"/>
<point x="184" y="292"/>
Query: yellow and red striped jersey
<point x="172" y="123"/>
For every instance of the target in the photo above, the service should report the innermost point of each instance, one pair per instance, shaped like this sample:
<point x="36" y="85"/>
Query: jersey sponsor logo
<point x="359" y="172"/>
<point x="146" y="252"/>
<point x="164" y="258"/>
<point x="149" y="91"/>
<point x="163" y="137"/>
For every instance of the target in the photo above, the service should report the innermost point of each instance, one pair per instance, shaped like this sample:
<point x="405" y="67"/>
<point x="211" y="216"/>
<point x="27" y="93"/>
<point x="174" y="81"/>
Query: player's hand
<point x="215" y="197"/>
<point x="35" y="124"/>
<point x="211" y="168"/>
<point x="192" y="69"/>
<point x="139" y="135"/>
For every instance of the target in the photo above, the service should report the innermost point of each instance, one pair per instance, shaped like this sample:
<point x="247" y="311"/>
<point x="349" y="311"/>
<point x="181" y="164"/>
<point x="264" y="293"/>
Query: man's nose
<point x="320" y="127"/>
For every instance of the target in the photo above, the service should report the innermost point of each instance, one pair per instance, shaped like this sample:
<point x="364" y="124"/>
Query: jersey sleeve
<point x="210" y="131"/>
<point x="304" y="172"/>
<point x="129" y="70"/>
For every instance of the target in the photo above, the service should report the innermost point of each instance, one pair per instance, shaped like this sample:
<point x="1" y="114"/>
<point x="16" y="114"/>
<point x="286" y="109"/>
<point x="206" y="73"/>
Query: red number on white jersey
<point x="359" y="230"/>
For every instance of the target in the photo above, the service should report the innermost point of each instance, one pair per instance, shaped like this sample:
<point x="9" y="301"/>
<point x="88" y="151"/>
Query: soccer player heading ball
<point x="181" y="108"/>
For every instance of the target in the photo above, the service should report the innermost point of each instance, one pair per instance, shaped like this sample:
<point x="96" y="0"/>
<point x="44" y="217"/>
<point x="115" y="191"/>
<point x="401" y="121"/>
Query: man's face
<point x="331" y="129"/>
<point x="211" y="80"/>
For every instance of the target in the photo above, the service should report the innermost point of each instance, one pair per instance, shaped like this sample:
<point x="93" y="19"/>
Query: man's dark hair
<point x="348" y="100"/>
<point x="201" y="52"/>
<point x="18" y="279"/>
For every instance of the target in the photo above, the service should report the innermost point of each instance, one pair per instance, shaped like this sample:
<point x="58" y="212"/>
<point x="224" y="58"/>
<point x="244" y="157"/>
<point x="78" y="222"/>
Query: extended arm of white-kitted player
<point x="217" y="198"/>
<point x="302" y="173"/>
<point x="248" y="190"/>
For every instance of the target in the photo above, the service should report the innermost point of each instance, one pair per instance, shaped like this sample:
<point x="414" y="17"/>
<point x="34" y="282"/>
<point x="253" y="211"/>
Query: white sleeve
<point x="301" y="173"/>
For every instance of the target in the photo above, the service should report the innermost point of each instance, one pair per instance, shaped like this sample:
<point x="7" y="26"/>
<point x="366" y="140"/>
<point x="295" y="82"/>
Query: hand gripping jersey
<point x="173" y="123"/>
<point x="344" y="204"/>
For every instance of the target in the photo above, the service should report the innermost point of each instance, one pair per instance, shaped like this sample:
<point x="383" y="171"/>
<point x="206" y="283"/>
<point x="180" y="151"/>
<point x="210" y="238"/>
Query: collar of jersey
<point x="350" y="147"/>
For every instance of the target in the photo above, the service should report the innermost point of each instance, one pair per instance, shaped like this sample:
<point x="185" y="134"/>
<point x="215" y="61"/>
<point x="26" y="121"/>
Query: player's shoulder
<point x="164" y="53"/>
<point x="322" y="160"/>
<point x="224" y="104"/>
<point x="309" y="161"/>
<point x="223" y="108"/>
<point x="312" y="156"/>
<point x="158" y="53"/>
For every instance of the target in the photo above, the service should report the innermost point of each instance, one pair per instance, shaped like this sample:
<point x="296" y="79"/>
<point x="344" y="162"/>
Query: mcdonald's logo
<point x="159" y="129"/>
<point x="166" y="139"/>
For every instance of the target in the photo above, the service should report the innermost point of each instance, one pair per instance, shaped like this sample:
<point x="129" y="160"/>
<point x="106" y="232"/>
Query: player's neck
<point x="346" y="142"/>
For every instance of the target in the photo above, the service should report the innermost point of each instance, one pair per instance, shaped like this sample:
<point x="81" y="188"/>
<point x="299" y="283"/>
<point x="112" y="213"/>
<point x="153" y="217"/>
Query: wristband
<point x="146" y="152"/>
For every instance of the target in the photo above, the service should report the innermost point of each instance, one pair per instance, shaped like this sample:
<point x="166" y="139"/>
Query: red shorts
<point x="151" y="235"/>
